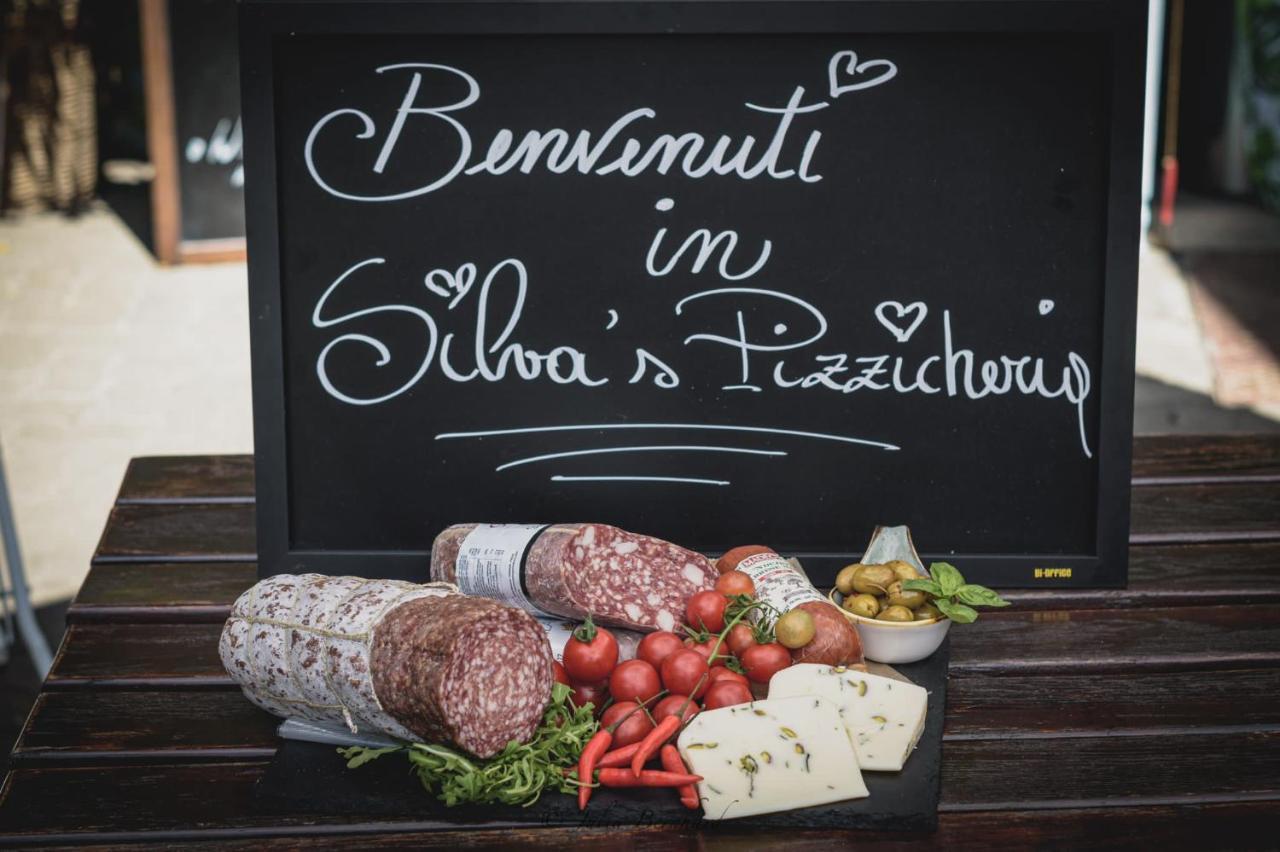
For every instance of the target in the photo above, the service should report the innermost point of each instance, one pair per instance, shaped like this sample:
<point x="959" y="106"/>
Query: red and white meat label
<point x="779" y="583"/>
<point x="491" y="563"/>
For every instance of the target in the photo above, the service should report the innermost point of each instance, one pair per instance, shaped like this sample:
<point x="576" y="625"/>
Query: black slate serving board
<point x="309" y="778"/>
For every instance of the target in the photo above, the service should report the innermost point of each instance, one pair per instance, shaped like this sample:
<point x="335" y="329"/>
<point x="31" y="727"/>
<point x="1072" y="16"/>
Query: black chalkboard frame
<point x="1122" y="22"/>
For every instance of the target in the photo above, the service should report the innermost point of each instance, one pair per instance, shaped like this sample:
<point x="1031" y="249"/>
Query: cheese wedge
<point x="769" y="756"/>
<point x="884" y="717"/>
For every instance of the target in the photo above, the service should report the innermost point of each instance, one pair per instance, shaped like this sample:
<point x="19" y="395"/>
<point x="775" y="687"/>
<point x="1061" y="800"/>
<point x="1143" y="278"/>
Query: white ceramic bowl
<point x="895" y="641"/>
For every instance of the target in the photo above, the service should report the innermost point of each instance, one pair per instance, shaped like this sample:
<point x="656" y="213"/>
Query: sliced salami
<point x="620" y="578"/>
<point x="415" y="662"/>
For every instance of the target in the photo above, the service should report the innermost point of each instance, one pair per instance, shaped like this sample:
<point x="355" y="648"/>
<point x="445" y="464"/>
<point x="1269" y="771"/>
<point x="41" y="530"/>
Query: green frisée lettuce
<point x="515" y="776"/>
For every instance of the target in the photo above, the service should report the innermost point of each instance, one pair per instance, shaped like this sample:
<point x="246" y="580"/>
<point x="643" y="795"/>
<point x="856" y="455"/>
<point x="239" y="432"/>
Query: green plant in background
<point x="1258" y="38"/>
<point x="953" y="597"/>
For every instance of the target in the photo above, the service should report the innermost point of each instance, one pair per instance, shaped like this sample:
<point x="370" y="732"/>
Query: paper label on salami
<point x="558" y="633"/>
<point x="778" y="583"/>
<point x="491" y="563"/>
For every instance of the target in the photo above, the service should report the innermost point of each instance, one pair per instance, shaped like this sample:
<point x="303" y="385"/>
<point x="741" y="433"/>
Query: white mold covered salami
<point x="420" y="663"/>
<point x="620" y="578"/>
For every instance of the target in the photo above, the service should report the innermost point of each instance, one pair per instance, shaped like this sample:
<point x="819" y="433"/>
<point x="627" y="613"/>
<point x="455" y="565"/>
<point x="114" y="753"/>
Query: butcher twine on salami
<point x="420" y="663"/>
<point x="620" y="578"/>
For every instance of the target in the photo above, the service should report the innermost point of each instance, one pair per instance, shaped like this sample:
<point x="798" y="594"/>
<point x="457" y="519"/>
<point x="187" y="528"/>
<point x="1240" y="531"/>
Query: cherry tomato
<point x="739" y="638"/>
<point x="584" y="693"/>
<point x="735" y="583"/>
<point x="764" y="661"/>
<point x="670" y="705"/>
<point x="726" y="693"/>
<point x="682" y="670"/>
<point x="590" y="654"/>
<point x="704" y="648"/>
<point x="631" y="731"/>
<point x="706" y="610"/>
<point x="656" y="647"/>
<point x="720" y="673"/>
<point x="634" y="680"/>
<point x="561" y="676"/>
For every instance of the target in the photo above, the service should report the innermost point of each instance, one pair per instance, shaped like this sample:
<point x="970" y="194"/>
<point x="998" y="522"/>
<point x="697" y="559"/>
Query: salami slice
<point x="421" y="663"/>
<point x="620" y="578"/>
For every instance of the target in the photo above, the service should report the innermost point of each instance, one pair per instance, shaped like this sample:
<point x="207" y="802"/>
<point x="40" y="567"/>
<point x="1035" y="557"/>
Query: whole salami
<point x="620" y="578"/>
<point x="785" y="587"/>
<point x="421" y="663"/>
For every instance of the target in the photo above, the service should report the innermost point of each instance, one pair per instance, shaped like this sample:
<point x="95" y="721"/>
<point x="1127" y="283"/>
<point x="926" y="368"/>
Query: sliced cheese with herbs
<point x="768" y="756"/>
<point x="884" y="717"/>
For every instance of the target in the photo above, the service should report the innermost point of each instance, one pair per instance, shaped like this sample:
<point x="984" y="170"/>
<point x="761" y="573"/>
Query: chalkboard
<point x="194" y="128"/>
<point x="723" y="273"/>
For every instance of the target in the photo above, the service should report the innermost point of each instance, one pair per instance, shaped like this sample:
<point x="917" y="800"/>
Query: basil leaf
<point x="957" y="612"/>
<point x="979" y="596"/>
<point x="927" y="586"/>
<point x="947" y="577"/>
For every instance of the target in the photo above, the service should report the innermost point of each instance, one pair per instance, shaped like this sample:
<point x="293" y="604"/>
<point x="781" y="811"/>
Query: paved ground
<point x="105" y="355"/>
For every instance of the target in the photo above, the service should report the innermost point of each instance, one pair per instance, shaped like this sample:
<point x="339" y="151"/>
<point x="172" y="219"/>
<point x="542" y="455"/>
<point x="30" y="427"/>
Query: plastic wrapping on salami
<point x="414" y="662"/>
<point x="620" y="578"/>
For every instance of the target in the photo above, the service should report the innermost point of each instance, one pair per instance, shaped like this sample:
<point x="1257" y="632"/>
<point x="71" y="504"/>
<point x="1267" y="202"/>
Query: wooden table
<point x="1147" y="716"/>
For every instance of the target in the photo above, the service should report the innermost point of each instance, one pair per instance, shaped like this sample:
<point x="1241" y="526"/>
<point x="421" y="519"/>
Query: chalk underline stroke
<point x="655" y="448"/>
<point x="689" y="480"/>
<point x="714" y="427"/>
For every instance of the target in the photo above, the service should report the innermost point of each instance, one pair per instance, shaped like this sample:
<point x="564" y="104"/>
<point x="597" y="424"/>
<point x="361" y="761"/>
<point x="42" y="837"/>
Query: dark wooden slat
<point x="988" y="775"/>
<point x="179" y="532"/>
<point x="133" y="725"/>
<point x="1020" y="706"/>
<point x="161" y="591"/>
<point x="130" y="655"/>
<point x="192" y="479"/>
<point x="1181" y="826"/>
<point x="1183" y="458"/>
<point x="1119" y="642"/>
<point x="1068" y="642"/>
<point x="1176" y="575"/>
<point x="92" y="726"/>
<point x="1193" y="513"/>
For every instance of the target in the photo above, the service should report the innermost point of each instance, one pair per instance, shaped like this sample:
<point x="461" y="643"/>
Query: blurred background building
<point x="123" y="313"/>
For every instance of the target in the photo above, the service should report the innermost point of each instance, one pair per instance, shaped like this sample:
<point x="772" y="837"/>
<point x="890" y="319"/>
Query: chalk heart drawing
<point x="1046" y="306"/>
<point x="896" y="325"/>
<point x="846" y="62"/>
<point x="452" y="285"/>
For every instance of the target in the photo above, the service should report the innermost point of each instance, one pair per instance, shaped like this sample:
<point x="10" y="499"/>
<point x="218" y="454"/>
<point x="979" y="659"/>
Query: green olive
<point x="866" y="606"/>
<point x="910" y="598"/>
<point x="795" y="629"/>
<point x="904" y="570"/>
<point x="896" y="613"/>
<point x="873" y="579"/>
<point x="927" y="612"/>
<point x="844" y="580"/>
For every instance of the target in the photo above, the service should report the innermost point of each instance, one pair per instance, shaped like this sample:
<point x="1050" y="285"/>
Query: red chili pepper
<point x="592" y="752"/>
<point x="652" y="742"/>
<point x="619" y="756"/>
<point x="672" y="762"/>
<point x="622" y="777"/>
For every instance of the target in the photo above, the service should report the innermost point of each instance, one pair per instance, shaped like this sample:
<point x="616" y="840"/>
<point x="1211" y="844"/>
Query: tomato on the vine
<point x="559" y="674"/>
<point x="727" y="693"/>
<point x="589" y="693"/>
<point x="764" y="661"/>
<point x="631" y="731"/>
<point x="739" y="638"/>
<point x="685" y="672"/>
<point x="704" y="648"/>
<point x="656" y="647"/>
<point x="671" y="705"/>
<point x="590" y="654"/>
<point x="705" y="611"/>
<point x="720" y="673"/>
<point x="735" y="583"/>
<point x="634" y="680"/>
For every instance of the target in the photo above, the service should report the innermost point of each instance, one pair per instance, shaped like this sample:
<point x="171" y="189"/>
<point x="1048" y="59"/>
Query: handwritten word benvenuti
<point x="793" y="352"/>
